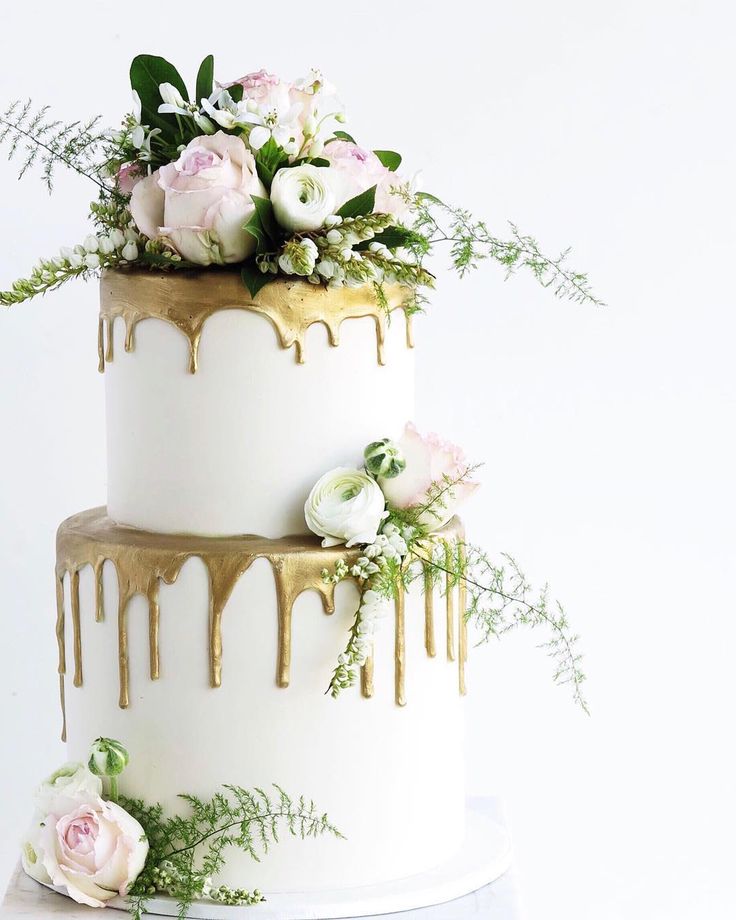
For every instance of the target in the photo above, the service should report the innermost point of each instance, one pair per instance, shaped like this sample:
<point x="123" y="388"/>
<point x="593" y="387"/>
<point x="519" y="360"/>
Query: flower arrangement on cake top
<point x="259" y="174"/>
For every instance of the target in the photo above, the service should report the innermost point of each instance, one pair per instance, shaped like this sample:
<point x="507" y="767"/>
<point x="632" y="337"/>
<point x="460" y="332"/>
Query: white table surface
<point x="27" y="900"/>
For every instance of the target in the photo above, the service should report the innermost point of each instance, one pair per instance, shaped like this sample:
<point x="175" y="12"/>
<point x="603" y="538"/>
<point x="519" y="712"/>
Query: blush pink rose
<point x="96" y="851"/>
<point x="256" y="85"/>
<point x="428" y="460"/>
<point x="129" y="176"/>
<point x="358" y="170"/>
<point x="201" y="202"/>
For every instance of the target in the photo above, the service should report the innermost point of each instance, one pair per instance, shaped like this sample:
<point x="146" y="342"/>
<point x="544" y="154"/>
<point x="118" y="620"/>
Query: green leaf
<point x="425" y="196"/>
<point x="390" y="159"/>
<point x="236" y="92"/>
<point x="205" y="78"/>
<point x="262" y="226"/>
<point x="269" y="160"/>
<point x="316" y="161"/>
<point x="344" y="136"/>
<point x="361" y="204"/>
<point x="253" y="278"/>
<point x="391" y="237"/>
<point x="147" y="72"/>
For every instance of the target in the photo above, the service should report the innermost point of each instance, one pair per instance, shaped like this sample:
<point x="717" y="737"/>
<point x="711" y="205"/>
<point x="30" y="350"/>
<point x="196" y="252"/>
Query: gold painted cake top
<point x="186" y="299"/>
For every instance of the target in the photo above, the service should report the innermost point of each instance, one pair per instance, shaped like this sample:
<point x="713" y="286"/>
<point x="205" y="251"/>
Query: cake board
<point x="474" y="883"/>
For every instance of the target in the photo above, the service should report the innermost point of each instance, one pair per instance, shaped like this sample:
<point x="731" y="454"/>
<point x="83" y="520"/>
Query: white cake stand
<point x="483" y="858"/>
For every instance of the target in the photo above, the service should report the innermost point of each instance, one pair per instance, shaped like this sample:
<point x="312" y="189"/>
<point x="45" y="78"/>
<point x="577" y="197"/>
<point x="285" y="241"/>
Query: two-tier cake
<point x="222" y="410"/>
<point x="263" y="635"/>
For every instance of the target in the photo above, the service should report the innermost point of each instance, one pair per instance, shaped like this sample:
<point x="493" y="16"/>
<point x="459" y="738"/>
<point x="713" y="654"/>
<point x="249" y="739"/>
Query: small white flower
<point x="117" y="238"/>
<point x="106" y="246"/>
<point x="173" y="101"/>
<point x="326" y="268"/>
<point x="91" y="243"/>
<point x="334" y="237"/>
<point x="92" y="260"/>
<point x="130" y="251"/>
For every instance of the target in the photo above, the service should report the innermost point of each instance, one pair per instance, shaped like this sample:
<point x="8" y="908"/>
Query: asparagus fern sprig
<point x="34" y="138"/>
<point x="185" y="852"/>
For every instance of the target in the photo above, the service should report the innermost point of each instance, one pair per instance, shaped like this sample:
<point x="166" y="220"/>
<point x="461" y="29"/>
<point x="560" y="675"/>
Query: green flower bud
<point x="107" y="757"/>
<point x="384" y="459"/>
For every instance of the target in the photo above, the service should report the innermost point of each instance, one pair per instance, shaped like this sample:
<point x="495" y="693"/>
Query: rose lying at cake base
<point x="484" y="856"/>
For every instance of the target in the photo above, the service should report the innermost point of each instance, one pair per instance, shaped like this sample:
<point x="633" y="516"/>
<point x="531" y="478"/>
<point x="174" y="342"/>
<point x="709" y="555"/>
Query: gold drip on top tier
<point x="143" y="560"/>
<point x="186" y="299"/>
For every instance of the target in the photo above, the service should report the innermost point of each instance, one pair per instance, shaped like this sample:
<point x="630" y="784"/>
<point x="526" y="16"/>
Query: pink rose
<point x="359" y="170"/>
<point x="255" y="85"/>
<point x="428" y="460"/>
<point x="96" y="851"/>
<point x="201" y="202"/>
<point x="129" y="176"/>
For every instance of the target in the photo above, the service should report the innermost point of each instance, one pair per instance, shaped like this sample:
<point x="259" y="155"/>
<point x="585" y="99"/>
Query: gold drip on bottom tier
<point x="187" y="302"/>
<point x="143" y="560"/>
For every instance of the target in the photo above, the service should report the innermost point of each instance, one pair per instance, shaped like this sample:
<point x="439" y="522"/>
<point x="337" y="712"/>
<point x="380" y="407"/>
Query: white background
<point x="607" y="433"/>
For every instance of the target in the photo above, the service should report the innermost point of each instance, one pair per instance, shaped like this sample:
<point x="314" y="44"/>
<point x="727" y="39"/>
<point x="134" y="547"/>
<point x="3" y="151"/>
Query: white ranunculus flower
<point x="31" y="855"/>
<point x="302" y="197"/>
<point x="67" y="788"/>
<point x="345" y="506"/>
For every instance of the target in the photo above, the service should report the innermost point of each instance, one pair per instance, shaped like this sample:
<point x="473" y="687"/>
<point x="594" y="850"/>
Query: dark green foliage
<point x="360" y="205"/>
<point x="390" y="159"/>
<point x="205" y="79"/>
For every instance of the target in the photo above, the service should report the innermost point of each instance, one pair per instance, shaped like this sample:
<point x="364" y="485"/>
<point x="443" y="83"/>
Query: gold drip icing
<point x="76" y="629"/>
<point x="143" y="560"/>
<point x="450" y="604"/>
<point x="188" y="299"/>
<point x="154" y="616"/>
<point x="366" y="677"/>
<point x="462" y="640"/>
<point x="61" y="670"/>
<point x="400" y="647"/>
<point x="429" y="641"/>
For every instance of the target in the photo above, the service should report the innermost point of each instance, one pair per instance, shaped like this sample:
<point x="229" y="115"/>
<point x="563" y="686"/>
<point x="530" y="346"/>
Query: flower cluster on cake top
<point x="256" y="173"/>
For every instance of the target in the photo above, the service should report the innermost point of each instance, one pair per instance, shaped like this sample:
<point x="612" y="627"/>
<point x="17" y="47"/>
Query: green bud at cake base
<point x="107" y="757"/>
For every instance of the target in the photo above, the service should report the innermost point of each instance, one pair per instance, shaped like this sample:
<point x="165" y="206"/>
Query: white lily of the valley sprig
<point x="138" y="134"/>
<point x="276" y="117"/>
<point x="175" y="104"/>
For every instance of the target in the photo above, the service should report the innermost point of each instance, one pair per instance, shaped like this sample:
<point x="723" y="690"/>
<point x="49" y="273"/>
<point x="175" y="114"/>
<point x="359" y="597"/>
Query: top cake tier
<point x="224" y="409"/>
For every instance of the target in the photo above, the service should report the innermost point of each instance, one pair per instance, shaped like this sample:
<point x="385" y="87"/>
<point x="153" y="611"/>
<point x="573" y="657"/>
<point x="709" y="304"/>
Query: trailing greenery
<point x="499" y="597"/>
<point x="33" y="138"/>
<point x="472" y="242"/>
<point x="185" y="852"/>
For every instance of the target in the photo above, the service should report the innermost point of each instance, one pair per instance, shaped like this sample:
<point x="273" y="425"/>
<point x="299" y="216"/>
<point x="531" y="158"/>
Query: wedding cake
<point x="222" y="678"/>
<point x="262" y="635"/>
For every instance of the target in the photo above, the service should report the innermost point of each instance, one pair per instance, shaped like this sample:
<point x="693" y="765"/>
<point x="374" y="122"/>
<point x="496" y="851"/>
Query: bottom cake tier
<point x="209" y="658"/>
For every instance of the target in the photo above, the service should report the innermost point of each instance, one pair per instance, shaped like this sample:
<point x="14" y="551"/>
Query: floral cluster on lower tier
<point x="95" y="844"/>
<point x="394" y="509"/>
<point x="256" y="173"/>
